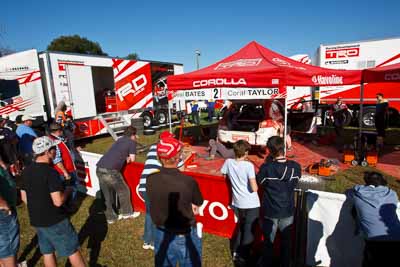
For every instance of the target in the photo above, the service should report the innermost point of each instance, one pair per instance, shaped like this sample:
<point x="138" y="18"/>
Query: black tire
<point x="162" y="117"/>
<point x="394" y="118"/>
<point x="149" y="132"/>
<point x="147" y="119"/>
<point x="368" y="117"/>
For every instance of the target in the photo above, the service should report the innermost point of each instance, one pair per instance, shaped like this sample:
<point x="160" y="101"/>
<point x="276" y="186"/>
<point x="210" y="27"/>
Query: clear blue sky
<point x="173" y="30"/>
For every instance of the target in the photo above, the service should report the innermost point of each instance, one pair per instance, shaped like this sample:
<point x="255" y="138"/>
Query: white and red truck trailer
<point x="361" y="55"/>
<point x="101" y="93"/>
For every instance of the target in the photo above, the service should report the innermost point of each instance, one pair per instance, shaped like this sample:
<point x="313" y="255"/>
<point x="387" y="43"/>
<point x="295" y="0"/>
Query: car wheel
<point x="368" y="117"/>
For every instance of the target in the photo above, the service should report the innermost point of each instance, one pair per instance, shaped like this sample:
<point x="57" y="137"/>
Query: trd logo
<point x="243" y="62"/>
<point x="135" y="85"/>
<point x="343" y="53"/>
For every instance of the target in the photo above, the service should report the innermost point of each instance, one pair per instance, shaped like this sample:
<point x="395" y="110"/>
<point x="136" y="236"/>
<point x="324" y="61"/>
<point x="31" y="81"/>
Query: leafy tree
<point x="75" y="44"/>
<point x="133" y="56"/>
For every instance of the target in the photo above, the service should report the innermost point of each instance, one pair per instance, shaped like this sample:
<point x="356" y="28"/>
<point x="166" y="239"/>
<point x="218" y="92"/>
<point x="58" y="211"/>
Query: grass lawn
<point x="120" y="244"/>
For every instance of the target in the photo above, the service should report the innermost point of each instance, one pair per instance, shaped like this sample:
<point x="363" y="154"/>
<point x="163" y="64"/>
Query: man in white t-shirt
<point x="245" y="200"/>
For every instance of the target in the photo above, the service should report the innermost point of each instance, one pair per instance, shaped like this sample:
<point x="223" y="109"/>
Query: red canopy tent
<point x="390" y="73"/>
<point x="255" y="66"/>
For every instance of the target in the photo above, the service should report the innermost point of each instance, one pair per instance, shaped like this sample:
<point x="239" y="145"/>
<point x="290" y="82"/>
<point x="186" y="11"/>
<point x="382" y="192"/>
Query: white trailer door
<point x="80" y="84"/>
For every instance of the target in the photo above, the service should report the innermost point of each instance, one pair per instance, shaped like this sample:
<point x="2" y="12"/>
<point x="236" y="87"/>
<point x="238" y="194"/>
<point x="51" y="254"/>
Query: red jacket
<point x="66" y="157"/>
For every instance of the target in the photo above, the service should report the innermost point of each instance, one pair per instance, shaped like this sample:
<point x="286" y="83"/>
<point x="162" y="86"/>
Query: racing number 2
<point x="215" y="91"/>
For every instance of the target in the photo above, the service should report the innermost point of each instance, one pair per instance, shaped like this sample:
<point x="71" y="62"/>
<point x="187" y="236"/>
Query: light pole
<point x="197" y="52"/>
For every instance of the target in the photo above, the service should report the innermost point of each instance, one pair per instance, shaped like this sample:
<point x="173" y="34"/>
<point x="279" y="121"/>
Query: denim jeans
<point x="149" y="227"/>
<point x="269" y="228"/>
<point x="111" y="183"/>
<point x="171" y="249"/>
<point x="9" y="234"/>
<point x="60" y="237"/>
<point x="244" y="237"/>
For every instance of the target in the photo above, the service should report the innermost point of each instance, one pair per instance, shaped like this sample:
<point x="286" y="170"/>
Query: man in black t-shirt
<point x="111" y="180"/>
<point x="175" y="199"/>
<point x="44" y="194"/>
<point x="278" y="178"/>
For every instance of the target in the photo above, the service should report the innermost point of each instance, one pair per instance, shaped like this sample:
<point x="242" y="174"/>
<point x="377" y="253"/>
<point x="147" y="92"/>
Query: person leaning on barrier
<point x="278" y="178"/>
<point x="175" y="199"/>
<point x="111" y="180"/>
<point x="375" y="204"/>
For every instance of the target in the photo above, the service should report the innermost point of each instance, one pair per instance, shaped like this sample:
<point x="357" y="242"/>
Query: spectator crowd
<point x="45" y="166"/>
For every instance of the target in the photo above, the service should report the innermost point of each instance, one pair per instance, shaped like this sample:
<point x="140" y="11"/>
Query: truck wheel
<point x="162" y="117"/>
<point x="347" y="118"/>
<point x="368" y="117"/>
<point x="394" y="118"/>
<point x="147" y="119"/>
<point x="354" y="162"/>
<point x="149" y="132"/>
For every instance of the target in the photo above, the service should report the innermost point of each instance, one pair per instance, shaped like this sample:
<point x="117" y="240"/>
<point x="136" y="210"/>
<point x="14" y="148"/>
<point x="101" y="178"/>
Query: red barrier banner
<point x="216" y="214"/>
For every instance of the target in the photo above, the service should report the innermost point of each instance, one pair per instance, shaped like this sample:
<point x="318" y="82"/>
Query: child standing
<point x="245" y="200"/>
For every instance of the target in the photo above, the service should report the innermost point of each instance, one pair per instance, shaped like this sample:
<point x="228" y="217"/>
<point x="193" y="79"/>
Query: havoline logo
<point x="327" y="80"/>
<point x="219" y="82"/>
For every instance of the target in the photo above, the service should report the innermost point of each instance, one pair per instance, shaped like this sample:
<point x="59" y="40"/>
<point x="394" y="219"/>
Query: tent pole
<point x="170" y="118"/>
<point x="360" y="114"/>
<point x="285" y="129"/>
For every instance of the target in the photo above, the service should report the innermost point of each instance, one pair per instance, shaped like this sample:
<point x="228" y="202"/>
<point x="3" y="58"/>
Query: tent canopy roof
<point x="257" y="66"/>
<point x="389" y="73"/>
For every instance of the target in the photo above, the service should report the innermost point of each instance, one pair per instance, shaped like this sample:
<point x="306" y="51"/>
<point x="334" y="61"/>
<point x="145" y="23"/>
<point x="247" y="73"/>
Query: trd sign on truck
<point x="339" y="53"/>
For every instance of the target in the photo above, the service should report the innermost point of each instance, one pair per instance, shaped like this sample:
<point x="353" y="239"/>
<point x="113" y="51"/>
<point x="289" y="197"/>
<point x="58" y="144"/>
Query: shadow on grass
<point x="94" y="230"/>
<point x="33" y="245"/>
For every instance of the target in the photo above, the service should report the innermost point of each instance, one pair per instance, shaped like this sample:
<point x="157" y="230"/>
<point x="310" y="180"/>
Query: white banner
<point x="226" y="93"/>
<point x="86" y="169"/>
<point x="331" y="237"/>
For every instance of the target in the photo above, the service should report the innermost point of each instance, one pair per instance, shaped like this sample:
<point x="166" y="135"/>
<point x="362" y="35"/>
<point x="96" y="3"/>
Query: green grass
<point x="346" y="179"/>
<point x="120" y="244"/>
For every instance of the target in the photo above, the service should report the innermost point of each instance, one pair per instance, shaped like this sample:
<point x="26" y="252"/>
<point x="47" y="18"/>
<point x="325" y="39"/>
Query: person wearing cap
<point x="44" y="193"/>
<point x="175" y="199"/>
<point x="26" y="136"/>
<point x="111" y="180"/>
<point x="63" y="162"/>
<point x="151" y="165"/>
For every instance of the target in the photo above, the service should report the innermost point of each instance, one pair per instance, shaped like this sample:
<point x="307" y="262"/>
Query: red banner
<point x="215" y="213"/>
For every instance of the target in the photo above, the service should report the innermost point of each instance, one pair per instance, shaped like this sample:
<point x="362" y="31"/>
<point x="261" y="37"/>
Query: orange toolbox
<point x="348" y="156"/>
<point x="372" y="158"/>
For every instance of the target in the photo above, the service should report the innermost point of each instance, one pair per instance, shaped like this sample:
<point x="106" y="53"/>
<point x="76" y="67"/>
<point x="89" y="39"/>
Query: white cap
<point x="28" y="118"/>
<point x="42" y="144"/>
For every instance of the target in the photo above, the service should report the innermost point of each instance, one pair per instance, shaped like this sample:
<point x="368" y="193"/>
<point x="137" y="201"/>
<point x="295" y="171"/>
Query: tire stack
<point x="138" y="124"/>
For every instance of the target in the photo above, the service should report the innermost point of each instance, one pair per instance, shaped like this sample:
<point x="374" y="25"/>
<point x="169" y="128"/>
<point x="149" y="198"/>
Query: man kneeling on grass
<point x="174" y="198"/>
<point x="45" y="193"/>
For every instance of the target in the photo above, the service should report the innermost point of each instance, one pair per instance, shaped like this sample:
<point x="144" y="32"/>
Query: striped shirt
<point x="151" y="165"/>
